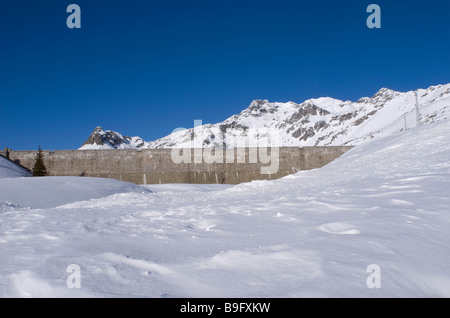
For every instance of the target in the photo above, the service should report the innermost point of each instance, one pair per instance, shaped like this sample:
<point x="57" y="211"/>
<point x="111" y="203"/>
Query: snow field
<point x="312" y="234"/>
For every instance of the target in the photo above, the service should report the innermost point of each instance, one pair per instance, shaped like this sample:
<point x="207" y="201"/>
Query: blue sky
<point x="145" y="68"/>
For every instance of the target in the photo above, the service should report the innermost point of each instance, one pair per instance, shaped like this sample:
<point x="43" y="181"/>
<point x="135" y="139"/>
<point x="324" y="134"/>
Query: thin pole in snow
<point x="417" y="110"/>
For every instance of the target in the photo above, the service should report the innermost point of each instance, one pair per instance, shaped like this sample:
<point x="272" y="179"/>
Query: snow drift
<point x="9" y="169"/>
<point x="49" y="192"/>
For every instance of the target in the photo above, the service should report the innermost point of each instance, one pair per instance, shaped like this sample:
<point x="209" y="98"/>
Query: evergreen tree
<point x="39" y="168"/>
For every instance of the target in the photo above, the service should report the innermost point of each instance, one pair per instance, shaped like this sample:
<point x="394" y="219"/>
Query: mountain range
<point x="322" y="121"/>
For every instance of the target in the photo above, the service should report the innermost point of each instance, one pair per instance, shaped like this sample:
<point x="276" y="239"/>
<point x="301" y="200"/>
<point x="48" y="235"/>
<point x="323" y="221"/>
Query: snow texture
<point x="312" y="234"/>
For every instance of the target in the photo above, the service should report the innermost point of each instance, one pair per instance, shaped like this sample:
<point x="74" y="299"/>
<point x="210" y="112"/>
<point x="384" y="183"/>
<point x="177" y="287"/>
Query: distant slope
<point x="9" y="169"/>
<point x="316" y="122"/>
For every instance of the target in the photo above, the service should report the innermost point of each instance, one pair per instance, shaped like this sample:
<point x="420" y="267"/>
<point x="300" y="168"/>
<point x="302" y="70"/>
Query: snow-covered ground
<point x="50" y="192"/>
<point x="9" y="169"/>
<point x="312" y="234"/>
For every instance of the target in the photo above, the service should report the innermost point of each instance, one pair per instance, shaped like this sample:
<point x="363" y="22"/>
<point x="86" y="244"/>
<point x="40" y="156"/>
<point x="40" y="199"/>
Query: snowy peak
<point x="385" y="93"/>
<point x="99" y="137"/>
<point x="321" y="121"/>
<point x="108" y="139"/>
<point x="258" y="108"/>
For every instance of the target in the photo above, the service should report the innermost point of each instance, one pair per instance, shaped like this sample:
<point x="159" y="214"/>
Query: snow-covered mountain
<point x="315" y="122"/>
<point x="108" y="139"/>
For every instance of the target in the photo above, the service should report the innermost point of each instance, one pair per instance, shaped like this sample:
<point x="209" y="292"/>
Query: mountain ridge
<point x="323" y="121"/>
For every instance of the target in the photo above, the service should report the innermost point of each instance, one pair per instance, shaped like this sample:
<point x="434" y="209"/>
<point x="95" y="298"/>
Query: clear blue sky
<point x="144" y="68"/>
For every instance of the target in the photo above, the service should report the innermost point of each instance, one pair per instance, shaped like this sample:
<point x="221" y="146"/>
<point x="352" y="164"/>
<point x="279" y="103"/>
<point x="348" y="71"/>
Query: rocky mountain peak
<point x="315" y="122"/>
<point x="101" y="137"/>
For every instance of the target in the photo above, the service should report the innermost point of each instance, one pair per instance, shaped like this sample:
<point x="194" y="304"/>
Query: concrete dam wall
<point x="153" y="166"/>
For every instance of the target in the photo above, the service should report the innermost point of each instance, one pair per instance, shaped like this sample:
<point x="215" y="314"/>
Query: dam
<point x="158" y="166"/>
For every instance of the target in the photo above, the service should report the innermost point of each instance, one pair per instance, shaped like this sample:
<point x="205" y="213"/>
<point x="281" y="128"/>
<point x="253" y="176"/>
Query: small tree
<point x="39" y="168"/>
